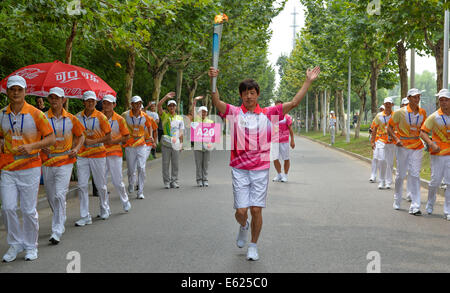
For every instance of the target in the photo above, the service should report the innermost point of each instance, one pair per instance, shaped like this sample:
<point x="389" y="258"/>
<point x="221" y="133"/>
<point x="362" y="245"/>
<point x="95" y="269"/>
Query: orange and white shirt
<point x="137" y="127"/>
<point x="96" y="126"/>
<point x="118" y="129"/>
<point x="147" y="135"/>
<point x="408" y="126"/>
<point x="30" y="125"/>
<point x="64" y="127"/>
<point x="439" y="124"/>
<point x="381" y="122"/>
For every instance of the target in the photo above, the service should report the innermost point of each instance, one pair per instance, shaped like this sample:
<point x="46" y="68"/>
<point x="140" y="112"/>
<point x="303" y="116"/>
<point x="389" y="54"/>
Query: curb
<point x="423" y="183"/>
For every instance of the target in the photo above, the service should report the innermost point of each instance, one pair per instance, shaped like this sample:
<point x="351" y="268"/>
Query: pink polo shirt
<point x="251" y="135"/>
<point x="283" y="127"/>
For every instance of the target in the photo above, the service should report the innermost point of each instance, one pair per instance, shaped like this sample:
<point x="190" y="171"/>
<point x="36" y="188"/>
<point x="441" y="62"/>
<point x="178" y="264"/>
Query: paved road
<point x="327" y="218"/>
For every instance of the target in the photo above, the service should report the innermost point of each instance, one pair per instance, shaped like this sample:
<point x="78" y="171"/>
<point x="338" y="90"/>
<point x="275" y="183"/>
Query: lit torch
<point x="218" y="26"/>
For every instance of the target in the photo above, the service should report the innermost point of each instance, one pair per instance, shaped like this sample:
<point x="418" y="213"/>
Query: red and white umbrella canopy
<point x="74" y="80"/>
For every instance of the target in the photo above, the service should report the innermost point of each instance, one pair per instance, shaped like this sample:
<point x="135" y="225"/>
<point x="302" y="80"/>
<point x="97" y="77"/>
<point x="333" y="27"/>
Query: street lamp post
<point x="324" y="108"/>
<point x="306" y="113"/>
<point x="348" y="98"/>
<point x="446" y="32"/>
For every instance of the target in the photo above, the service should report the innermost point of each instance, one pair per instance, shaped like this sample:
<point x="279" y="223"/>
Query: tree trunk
<point x="439" y="55"/>
<point x="374" y="71"/>
<point x="158" y="76"/>
<point x="69" y="46"/>
<point x="129" y="77"/>
<point x="316" y="111"/>
<point x="179" y="87"/>
<point x="341" y="112"/>
<point x="403" y="68"/>
<point x="362" y="108"/>
<point x="322" y="111"/>
<point x="327" y="112"/>
<point x="69" y="42"/>
<point x="336" y="110"/>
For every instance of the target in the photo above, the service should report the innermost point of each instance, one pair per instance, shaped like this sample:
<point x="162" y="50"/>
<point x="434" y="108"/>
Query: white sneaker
<point x="127" y="206"/>
<point x="84" y="221"/>
<point x="448" y="217"/>
<point x="199" y="184"/>
<point x="284" y="178"/>
<point x="31" y="254"/>
<point x="388" y="186"/>
<point x="104" y="216"/>
<point x="130" y="189"/>
<point x="174" y="185"/>
<point x="242" y="235"/>
<point x="205" y="184"/>
<point x="12" y="253"/>
<point x="396" y="206"/>
<point x="429" y="210"/>
<point x="277" y="178"/>
<point x="252" y="252"/>
<point x="140" y="196"/>
<point x="408" y="198"/>
<point x="167" y="186"/>
<point x="415" y="212"/>
<point x="54" y="239"/>
<point x="372" y="180"/>
<point x="382" y="185"/>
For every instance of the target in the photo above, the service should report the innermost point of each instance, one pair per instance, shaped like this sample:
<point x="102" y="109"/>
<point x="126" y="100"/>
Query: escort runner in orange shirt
<point x="24" y="131"/>
<point x="114" y="160"/>
<point x="136" y="148"/>
<point x="439" y="124"/>
<point x="92" y="158"/>
<point x="407" y="122"/>
<point x="58" y="159"/>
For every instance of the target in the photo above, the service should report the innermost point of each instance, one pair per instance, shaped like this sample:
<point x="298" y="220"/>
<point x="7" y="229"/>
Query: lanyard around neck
<point x="417" y="121"/>
<point x="443" y="119"/>
<point x="12" y="125"/>
<point x="132" y="118"/>
<point x="93" y="123"/>
<point x="64" y="125"/>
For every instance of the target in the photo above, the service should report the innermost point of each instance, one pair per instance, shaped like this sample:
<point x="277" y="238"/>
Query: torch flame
<point x="221" y="18"/>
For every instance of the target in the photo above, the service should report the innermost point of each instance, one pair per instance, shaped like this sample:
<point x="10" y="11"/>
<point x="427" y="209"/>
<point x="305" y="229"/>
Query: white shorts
<point x="279" y="151"/>
<point x="249" y="187"/>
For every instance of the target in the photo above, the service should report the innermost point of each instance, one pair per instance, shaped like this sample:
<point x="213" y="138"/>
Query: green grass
<point x="361" y="146"/>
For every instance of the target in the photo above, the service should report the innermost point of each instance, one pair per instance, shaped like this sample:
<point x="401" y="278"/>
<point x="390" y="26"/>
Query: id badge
<point x="17" y="141"/>
<point x="136" y="131"/>
<point x="59" y="143"/>
<point x="89" y="133"/>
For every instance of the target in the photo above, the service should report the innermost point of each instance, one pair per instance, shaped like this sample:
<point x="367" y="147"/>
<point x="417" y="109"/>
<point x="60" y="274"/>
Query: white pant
<point x="98" y="168"/>
<point x="249" y="187"/>
<point x="136" y="158"/>
<point x="408" y="161"/>
<point x="389" y="150"/>
<point x="21" y="185"/>
<point x="383" y="159"/>
<point x="56" y="182"/>
<point x="440" y="169"/>
<point x="333" y="134"/>
<point x="114" y="166"/>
